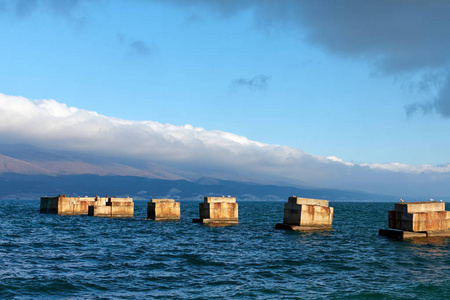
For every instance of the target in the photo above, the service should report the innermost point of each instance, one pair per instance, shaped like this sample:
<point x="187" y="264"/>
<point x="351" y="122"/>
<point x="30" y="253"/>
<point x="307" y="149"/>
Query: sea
<point x="45" y="256"/>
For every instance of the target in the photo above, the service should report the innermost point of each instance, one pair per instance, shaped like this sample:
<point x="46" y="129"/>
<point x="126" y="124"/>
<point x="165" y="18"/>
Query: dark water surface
<point x="50" y="256"/>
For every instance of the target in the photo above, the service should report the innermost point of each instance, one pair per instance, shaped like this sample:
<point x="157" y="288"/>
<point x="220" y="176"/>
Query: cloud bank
<point x="53" y="125"/>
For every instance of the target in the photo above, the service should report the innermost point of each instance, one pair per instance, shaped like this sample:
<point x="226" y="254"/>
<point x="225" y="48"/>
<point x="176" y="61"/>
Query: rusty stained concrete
<point x="218" y="211"/>
<point x="112" y="207"/>
<point x="163" y="210"/>
<point x="95" y="206"/>
<point x="306" y="214"/>
<point x="417" y="219"/>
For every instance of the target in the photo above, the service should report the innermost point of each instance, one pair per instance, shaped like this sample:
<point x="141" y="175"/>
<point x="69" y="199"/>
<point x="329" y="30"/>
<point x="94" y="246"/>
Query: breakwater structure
<point x="306" y="214"/>
<point x="417" y="220"/>
<point x="218" y="211"/>
<point x="163" y="210"/>
<point x="93" y="206"/>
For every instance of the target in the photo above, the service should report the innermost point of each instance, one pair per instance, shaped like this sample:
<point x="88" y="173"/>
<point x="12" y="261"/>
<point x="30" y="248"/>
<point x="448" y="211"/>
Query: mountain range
<point x="30" y="172"/>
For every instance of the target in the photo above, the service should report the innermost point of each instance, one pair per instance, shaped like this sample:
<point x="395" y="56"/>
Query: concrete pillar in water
<point x="306" y="214"/>
<point x="163" y="210"/>
<point x="63" y="205"/>
<point x="417" y="219"/>
<point x="218" y="211"/>
<point x="93" y="206"/>
<point x="112" y="207"/>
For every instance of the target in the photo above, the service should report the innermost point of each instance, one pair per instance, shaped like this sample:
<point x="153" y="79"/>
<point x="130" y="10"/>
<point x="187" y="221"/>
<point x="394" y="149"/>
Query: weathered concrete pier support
<point x="94" y="206"/>
<point x="163" y="210"/>
<point x="63" y="205"/>
<point x="417" y="219"/>
<point x="306" y="214"/>
<point x="218" y="211"/>
<point x="112" y="207"/>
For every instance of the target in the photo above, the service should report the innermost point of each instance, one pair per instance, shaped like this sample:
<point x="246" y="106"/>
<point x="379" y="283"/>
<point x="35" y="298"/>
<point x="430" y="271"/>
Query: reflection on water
<point x="434" y="251"/>
<point x="431" y="241"/>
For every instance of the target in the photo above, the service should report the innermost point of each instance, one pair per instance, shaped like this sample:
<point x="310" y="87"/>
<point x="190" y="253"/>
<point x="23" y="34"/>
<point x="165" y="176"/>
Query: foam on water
<point x="51" y="256"/>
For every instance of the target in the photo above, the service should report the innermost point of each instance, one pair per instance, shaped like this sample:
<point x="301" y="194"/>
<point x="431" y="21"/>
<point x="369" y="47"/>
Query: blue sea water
<point x="45" y="256"/>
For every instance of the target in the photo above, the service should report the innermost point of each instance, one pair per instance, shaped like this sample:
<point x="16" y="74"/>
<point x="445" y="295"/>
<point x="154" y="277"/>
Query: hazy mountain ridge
<point x="34" y="186"/>
<point x="26" y="159"/>
<point x="31" y="172"/>
<point x="9" y="164"/>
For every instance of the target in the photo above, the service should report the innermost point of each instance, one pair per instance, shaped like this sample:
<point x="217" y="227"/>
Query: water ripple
<point x="49" y="256"/>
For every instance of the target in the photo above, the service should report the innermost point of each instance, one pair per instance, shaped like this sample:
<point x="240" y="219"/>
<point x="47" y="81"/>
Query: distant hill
<point x="31" y="172"/>
<point x="22" y="186"/>
<point x="27" y="159"/>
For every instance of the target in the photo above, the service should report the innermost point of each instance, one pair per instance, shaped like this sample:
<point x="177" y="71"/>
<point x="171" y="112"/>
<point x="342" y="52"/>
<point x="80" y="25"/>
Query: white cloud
<point x="53" y="125"/>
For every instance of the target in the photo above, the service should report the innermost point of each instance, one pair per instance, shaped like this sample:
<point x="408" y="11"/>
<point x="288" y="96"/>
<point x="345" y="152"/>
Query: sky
<point x="351" y="94"/>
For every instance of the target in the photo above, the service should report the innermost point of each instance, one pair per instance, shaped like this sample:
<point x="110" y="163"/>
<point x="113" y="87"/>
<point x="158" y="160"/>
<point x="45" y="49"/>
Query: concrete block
<point x="306" y="214"/>
<point x="219" y="200"/>
<point x="218" y="210"/>
<point x="111" y="211"/>
<point x="417" y="207"/>
<point x="425" y="216"/>
<point x="412" y="218"/>
<point x="163" y="210"/>
<point x="122" y="211"/>
<point x="437" y="220"/>
<point x="99" y="211"/>
<point x="301" y="214"/>
<point x="63" y="205"/>
<point x="49" y="205"/>
<point x="307" y="201"/>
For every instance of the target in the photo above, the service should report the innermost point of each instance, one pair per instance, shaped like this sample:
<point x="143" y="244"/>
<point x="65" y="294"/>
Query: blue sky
<point x="329" y="79"/>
